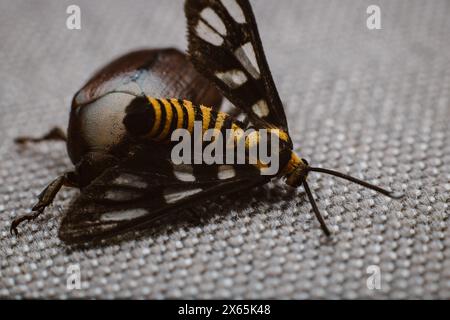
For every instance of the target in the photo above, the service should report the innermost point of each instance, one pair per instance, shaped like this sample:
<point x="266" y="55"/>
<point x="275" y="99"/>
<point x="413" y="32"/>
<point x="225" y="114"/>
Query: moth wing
<point x="145" y="187"/>
<point x="225" y="46"/>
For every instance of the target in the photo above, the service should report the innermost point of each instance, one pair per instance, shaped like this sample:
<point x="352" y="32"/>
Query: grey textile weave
<point x="375" y="103"/>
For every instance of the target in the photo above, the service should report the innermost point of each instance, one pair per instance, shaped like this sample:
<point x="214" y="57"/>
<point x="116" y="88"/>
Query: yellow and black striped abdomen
<point x="156" y="119"/>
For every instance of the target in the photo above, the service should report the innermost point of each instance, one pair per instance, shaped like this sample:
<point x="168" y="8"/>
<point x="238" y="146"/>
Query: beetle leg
<point x="45" y="199"/>
<point x="54" y="134"/>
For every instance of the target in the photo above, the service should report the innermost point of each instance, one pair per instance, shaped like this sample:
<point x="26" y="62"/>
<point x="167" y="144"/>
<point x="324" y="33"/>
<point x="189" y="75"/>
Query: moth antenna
<point x="387" y="193"/>
<point x="319" y="217"/>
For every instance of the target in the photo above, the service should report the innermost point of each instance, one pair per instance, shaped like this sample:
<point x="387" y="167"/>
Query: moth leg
<point x="54" y="134"/>
<point x="45" y="199"/>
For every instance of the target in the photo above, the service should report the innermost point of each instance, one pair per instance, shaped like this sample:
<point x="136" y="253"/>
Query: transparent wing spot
<point x="228" y="107"/>
<point x="261" y="109"/>
<point x="122" y="195"/>
<point x="233" y="78"/>
<point x="246" y="56"/>
<point x="213" y="20"/>
<point x="123" y="215"/>
<point x="204" y="32"/>
<point x="172" y="196"/>
<point x="226" y="172"/>
<point x="235" y="10"/>
<point x="130" y="180"/>
<point x="243" y="118"/>
<point x="184" y="173"/>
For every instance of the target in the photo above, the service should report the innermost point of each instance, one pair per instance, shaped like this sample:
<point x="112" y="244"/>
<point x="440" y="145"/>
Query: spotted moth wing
<point x="225" y="46"/>
<point x="144" y="187"/>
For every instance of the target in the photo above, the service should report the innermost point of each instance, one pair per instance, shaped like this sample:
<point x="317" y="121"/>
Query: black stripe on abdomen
<point x="162" y="123"/>
<point x="139" y="117"/>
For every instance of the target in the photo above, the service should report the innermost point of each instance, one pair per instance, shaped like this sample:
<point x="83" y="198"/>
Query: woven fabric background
<point x="375" y="103"/>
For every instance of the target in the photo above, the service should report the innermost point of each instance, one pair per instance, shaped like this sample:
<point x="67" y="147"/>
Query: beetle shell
<point x="98" y="109"/>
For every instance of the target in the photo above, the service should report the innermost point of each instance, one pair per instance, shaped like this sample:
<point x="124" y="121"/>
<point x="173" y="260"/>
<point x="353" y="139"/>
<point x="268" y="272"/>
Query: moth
<point x="121" y="122"/>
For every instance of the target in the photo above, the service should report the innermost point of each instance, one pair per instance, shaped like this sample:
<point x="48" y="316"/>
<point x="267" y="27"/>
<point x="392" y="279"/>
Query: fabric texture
<point x="374" y="103"/>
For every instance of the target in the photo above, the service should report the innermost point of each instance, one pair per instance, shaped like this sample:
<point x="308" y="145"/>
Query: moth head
<point x="299" y="174"/>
